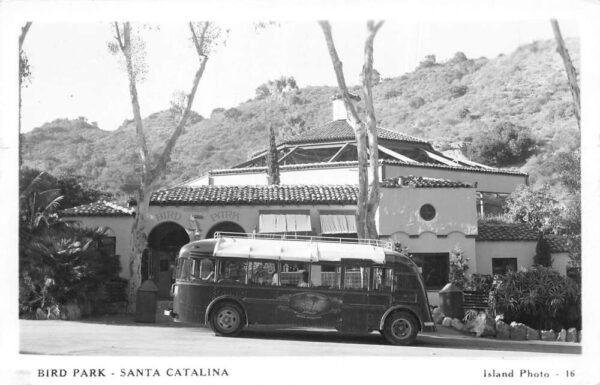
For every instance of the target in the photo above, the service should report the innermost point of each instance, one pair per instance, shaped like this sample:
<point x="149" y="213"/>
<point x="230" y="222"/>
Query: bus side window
<point x="382" y="280"/>
<point x="262" y="273"/>
<point x="203" y="269"/>
<point x="293" y="274"/>
<point x="356" y="277"/>
<point x="325" y="276"/>
<point x="233" y="270"/>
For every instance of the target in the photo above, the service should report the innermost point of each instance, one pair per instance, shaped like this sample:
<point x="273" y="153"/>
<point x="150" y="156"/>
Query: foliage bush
<point x="416" y="102"/>
<point x="392" y="94"/>
<point x="459" y="265"/>
<point x="480" y="282"/>
<point x="458" y="91"/>
<point x="64" y="265"/>
<point x="59" y="263"/>
<point x="536" y="206"/>
<point x="539" y="297"/>
<point x="504" y="144"/>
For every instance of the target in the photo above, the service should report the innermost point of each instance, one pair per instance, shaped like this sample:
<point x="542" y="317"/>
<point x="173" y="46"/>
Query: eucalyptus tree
<point x="206" y="36"/>
<point x="569" y="69"/>
<point x="365" y="130"/>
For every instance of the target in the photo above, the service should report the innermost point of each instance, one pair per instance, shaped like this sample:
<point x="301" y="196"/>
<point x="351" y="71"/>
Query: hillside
<point x="448" y="103"/>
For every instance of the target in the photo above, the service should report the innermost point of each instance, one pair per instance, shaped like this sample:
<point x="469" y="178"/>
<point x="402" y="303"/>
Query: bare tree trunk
<point x="150" y="175"/>
<point x="359" y="133"/>
<point x="569" y="68"/>
<point x="24" y="31"/>
<point x="373" y="197"/>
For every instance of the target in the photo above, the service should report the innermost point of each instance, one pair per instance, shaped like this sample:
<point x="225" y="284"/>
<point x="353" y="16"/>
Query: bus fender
<point x="393" y="309"/>
<point x="222" y="298"/>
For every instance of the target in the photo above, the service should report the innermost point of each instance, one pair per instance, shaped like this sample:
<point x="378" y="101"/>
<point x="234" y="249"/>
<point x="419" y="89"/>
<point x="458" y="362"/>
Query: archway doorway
<point x="159" y="259"/>
<point x="229" y="227"/>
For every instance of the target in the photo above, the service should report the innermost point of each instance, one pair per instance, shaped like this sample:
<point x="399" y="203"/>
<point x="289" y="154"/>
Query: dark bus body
<point x="352" y="295"/>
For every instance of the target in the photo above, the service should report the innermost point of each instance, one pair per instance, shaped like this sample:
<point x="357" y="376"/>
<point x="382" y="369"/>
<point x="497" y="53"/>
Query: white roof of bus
<point x="291" y="250"/>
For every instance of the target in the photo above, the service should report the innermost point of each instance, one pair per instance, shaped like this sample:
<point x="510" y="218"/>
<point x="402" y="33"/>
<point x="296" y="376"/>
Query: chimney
<point x="339" y="108"/>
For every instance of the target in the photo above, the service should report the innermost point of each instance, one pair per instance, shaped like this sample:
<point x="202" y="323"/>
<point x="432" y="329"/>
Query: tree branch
<point x="24" y="31"/>
<point x="166" y="154"/>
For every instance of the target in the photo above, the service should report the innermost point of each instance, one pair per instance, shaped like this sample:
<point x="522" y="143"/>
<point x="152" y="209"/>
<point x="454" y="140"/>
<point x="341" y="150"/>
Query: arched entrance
<point x="229" y="227"/>
<point x="158" y="260"/>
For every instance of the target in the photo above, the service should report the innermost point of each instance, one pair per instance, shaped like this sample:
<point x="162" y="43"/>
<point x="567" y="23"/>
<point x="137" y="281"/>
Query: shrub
<point x="392" y="94"/>
<point x="416" y="102"/>
<point x="540" y="298"/>
<point x="480" y="282"/>
<point x="233" y="113"/>
<point x="64" y="265"/>
<point x="429" y="61"/>
<point x="458" y="91"/>
<point x="458" y="268"/>
<point x="504" y="144"/>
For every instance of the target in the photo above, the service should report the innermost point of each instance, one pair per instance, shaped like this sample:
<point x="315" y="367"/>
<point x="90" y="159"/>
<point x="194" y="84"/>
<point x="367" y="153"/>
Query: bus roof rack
<point x="308" y="238"/>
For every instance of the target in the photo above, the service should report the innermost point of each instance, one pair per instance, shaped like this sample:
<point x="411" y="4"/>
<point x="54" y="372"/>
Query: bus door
<point x="261" y="292"/>
<point x="380" y="296"/>
<point x="356" y="278"/>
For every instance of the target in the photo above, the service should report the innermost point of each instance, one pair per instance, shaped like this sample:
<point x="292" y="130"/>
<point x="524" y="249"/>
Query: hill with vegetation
<point x="459" y="105"/>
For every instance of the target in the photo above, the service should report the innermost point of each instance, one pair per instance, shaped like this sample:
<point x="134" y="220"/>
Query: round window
<point x="427" y="212"/>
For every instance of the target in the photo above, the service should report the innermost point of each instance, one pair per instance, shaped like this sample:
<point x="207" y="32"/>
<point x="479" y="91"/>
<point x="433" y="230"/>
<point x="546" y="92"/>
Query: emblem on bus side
<point x="311" y="305"/>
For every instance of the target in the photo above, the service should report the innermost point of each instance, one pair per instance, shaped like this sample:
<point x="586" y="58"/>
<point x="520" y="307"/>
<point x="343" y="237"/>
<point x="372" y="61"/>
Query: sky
<point x="74" y="74"/>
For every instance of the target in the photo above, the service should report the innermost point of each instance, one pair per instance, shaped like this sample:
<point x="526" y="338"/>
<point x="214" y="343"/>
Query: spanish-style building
<point x="429" y="203"/>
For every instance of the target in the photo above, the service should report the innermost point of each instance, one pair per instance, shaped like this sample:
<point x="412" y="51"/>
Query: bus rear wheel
<point x="400" y="328"/>
<point x="227" y="319"/>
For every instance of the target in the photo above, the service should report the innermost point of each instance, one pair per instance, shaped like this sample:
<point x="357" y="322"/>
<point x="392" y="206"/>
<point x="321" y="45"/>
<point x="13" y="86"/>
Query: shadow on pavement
<point x="432" y="340"/>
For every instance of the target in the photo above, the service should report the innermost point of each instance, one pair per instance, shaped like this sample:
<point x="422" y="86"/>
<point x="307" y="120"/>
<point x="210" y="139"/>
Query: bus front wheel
<point x="227" y="319"/>
<point x="400" y="328"/>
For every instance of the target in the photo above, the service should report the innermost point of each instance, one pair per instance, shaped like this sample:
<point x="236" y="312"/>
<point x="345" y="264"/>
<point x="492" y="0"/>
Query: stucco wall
<point x="486" y="182"/>
<point x="455" y="210"/>
<point x="522" y="250"/>
<point x="245" y="216"/>
<point x="121" y="228"/>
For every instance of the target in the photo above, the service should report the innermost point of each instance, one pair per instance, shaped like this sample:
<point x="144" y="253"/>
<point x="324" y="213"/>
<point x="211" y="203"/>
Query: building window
<point x="337" y="223"/>
<point x="284" y="223"/>
<point x="503" y="265"/>
<point x="434" y="268"/>
<point x="427" y="212"/>
<point x="108" y="245"/>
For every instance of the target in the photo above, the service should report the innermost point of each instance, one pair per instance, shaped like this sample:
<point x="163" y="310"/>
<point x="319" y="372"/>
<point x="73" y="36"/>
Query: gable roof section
<point x="97" y="209"/>
<point x="505" y="232"/>
<point x="339" y="130"/>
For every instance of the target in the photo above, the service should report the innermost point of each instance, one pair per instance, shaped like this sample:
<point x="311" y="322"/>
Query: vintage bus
<point x="236" y="280"/>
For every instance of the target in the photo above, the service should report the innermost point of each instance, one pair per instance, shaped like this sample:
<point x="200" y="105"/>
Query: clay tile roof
<point x="338" y="130"/>
<point x="558" y="243"/>
<point x="423" y="182"/>
<point x="97" y="209"/>
<point x="506" y="232"/>
<point x="252" y="195"/>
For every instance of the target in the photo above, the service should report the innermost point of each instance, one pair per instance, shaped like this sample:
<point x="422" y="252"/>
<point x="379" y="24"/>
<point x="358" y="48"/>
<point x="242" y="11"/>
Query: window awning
<point x="284" y="223"/>
<point x="338" y="224"/>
